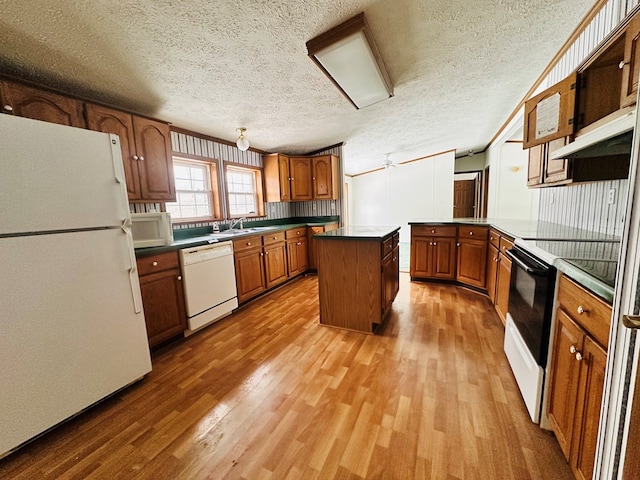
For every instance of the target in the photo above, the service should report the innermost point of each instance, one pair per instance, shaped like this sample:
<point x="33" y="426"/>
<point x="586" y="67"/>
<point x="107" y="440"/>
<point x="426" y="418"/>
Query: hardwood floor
<point x="269" y="394"/>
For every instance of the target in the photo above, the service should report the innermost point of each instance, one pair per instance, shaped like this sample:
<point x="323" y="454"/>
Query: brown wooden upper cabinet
<point x="550" y="114"/>
<point x="631" y="63"/>
<point x="29" y="102"/>
<point x="603" y="88"/>
<point x="325" y="177"/>
<point x="300" y="178"/>
<point x="146" y="152"/>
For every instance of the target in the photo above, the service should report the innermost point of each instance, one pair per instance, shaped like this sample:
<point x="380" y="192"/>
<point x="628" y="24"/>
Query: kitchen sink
<point x="238" y="231"/>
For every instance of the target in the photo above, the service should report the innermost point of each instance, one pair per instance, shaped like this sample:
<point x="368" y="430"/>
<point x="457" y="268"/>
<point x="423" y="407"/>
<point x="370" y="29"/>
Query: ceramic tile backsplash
<point x="597" y="206"/>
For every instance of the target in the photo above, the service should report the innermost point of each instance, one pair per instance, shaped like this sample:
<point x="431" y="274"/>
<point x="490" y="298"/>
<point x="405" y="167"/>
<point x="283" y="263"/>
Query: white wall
<point x="470" y="163"/>
<point x="417" y="191"/>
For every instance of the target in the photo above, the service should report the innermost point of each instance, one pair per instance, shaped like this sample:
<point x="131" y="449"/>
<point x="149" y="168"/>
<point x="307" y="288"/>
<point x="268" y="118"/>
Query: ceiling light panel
<point x="349" y="57"/>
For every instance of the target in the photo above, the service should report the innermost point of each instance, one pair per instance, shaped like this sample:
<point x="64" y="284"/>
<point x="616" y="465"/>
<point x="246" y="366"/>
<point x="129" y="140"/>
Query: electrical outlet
<point x="612" y="196"/>
<point x="314" y="206"/>
<point x="333" y="205"/>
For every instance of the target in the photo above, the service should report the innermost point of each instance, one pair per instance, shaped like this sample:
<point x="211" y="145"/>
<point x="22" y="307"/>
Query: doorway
<point x="466" y="195"/>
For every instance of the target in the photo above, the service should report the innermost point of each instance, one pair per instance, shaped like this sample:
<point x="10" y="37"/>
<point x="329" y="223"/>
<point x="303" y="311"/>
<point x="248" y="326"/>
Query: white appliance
<point x="151" y="229"/>
<point x="72" y="329"/>
<point x="209" y="280"/>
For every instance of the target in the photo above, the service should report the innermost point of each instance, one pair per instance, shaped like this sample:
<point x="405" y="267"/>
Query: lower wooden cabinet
<point x="390" y="278"/>
<point x="492" y="272"/>
<point x="249" y="263"/>
<point x="577" y="372"/>
<point x="472" y="256"/>
<point x="275" y="264"/>
<point x="503" y="285"/>
<point x="433" y="252"/>
<point x="162" y="296"/>
<point x="297" y="256"/>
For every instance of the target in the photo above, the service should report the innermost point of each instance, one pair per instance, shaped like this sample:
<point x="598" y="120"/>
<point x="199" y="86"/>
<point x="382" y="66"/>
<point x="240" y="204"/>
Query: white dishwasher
<point x="209" y="279"/>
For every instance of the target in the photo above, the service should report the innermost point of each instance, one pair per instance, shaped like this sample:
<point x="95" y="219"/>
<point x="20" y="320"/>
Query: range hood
<point x="611" y="138"/>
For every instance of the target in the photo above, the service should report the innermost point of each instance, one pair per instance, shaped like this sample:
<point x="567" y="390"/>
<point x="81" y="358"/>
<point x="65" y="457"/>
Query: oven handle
<point x="527" y="268"/>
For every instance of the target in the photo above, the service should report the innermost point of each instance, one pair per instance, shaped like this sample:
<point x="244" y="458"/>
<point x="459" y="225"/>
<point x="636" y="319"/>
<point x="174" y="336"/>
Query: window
<point x="196" y="190"/>
<point x="244" y="191"/>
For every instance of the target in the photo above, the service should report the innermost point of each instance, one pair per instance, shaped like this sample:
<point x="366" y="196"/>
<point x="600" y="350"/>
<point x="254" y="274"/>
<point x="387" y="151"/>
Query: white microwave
<point x="151" y="229"/>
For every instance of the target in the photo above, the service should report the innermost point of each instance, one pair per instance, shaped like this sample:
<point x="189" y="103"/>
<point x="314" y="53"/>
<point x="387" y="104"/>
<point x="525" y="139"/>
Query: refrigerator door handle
<point x="118" y="172"/>
<point x="133" y="270"/>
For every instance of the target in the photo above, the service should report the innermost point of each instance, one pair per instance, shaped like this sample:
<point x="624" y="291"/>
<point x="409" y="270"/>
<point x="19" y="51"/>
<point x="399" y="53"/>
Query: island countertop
<point x="356" y="232"/>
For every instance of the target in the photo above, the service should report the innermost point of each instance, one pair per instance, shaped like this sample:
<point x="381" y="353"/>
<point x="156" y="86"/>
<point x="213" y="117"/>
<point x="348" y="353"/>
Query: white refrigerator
<point x="72" y="328"/>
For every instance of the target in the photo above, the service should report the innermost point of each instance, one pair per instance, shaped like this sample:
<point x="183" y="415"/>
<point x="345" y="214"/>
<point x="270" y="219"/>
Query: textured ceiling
<point x="458" y="67"/>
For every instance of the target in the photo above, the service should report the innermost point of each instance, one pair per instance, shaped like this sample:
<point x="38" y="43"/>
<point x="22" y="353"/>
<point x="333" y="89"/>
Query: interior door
<point x="464" y="198"/>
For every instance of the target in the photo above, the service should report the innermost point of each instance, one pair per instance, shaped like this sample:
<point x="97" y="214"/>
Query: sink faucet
<point x="236" y="221"/>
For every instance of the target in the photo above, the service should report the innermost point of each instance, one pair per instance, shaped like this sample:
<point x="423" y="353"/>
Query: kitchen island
<point x="358" y="271"/>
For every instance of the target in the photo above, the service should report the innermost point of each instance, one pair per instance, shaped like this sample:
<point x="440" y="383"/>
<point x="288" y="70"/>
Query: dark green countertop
<point x="356" y="232"/>
<point x="193" y="237"/>
<point x="525" y="229"/>
<point x="589" y="258"/>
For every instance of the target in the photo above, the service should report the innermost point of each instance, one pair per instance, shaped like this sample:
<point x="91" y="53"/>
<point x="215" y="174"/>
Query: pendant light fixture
<point x="243" y="143"/>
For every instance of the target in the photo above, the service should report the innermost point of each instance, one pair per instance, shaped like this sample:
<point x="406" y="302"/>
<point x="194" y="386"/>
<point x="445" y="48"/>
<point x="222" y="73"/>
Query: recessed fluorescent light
<point x="349" y="57"/>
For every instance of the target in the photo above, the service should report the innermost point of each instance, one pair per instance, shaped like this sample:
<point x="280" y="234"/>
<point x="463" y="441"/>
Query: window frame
<point x="259" y="189"/>
<point x="213" y="166"/>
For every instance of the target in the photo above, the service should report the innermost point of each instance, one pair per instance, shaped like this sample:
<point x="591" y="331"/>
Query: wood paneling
<point x="268" y="393"/>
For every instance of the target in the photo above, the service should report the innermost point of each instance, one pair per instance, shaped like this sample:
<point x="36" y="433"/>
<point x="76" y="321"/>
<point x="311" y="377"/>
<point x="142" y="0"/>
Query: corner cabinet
<point x="162" y="296"/>
<point x="577" y="372"/>
<point x="30" y="102"/>
<point x="472" y="256"/>
<point x="146" y="152"/>
<point x="297" y="251"/>
<point x="301" y="178"/>
<point x="325" y="177"/>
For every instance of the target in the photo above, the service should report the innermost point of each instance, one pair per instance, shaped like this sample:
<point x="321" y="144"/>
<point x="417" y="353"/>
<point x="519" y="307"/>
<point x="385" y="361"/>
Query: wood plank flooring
<point x="269" y="394"/>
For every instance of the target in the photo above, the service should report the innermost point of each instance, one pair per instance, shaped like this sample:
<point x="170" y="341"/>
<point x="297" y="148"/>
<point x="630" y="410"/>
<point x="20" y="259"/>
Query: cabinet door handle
<point x="435" y="243"/>
<point x="141" y="158"/>
<point x="572" y="349"/>
<point x="458" y="244"/>
<point x="578" y="356"/>
<point x="261" y="254"/>
<point x="155" y="264"/>
<point x="470" y="233"/>
<point x="179" y="277"/>
<point x="581" y="310"/>
<point x="622" y="64"/>
<point x="248" y="244"/>
<point x="135" y="157"/>
<point x="433" y="231"/>
<point x="8" y="108"/>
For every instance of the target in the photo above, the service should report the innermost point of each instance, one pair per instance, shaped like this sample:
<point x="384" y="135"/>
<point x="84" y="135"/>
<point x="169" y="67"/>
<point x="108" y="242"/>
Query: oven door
<point x="531" y="301"/>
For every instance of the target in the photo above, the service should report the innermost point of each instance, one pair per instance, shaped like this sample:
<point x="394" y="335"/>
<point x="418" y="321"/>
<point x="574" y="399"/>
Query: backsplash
<point x="586" y="206"/>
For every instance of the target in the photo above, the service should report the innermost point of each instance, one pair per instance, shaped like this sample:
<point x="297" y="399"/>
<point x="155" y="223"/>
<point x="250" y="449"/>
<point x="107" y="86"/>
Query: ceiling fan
<point x="388" y="163"/>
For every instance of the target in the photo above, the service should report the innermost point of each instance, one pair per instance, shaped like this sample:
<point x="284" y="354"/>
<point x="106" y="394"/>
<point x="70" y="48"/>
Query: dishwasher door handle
<point x="532" y="270"/>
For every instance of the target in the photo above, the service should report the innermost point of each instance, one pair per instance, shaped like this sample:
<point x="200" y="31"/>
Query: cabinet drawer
<point x="296" y="233"/>
<point x="433" y="231"/>
<point x="505" y="244"/>
<point x="593" y="314"/>
<point x="273" y="237"/>
<point x="476" y="233"/>
<point x="246" y="243"/>
<point x="396" y="239"/>
<point x="494" y="238"/>
<point x="315" y="230"/>
<point x="157" y="263"/>
<point x="387" y="246"/>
